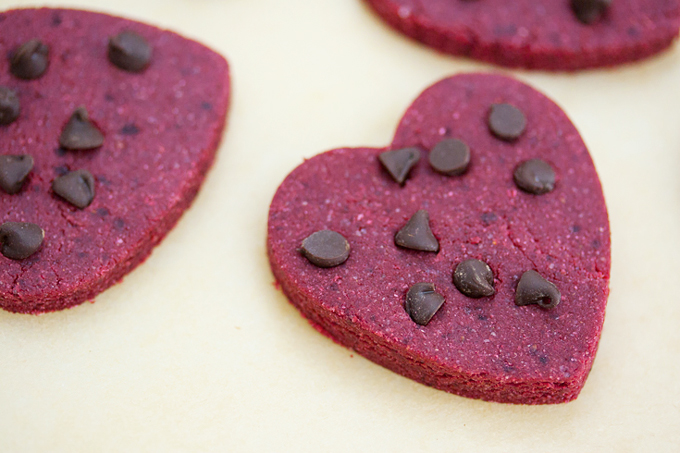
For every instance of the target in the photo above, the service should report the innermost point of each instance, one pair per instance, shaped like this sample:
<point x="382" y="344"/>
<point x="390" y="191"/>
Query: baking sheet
<point x="197" y="351"/>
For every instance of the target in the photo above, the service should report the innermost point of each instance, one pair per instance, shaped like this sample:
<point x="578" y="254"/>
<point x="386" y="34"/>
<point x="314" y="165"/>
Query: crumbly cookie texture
<point x="552" y="35"/>
<point x="119" y="145"/>
<point x="455" y="316"/>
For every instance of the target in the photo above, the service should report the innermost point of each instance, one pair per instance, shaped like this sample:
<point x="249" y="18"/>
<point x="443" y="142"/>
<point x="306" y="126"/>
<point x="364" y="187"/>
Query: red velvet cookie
<point x="554" y="34"/>
<point x="520" y="323"/>
<point x="108" y="128"/>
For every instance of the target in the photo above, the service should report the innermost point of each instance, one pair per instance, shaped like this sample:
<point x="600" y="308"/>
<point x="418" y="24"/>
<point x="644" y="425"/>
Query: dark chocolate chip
<point x="474" y="278"/>
<point x="9" y="106"/>
<point x="534" y="289"/>
<point x="399" y="162"/>
<point x="13" y="172"/>
<point x="325" y="248"/>
<point x="129" y="51"/>
<point x="506" y="122"/>
<point x="20" y="240"/>
<point x="416" y="234"/>
<point x="76" y="187"/>
<point x="29" y="60"/>
<point x="80" y="133"/>
<point x="450" y="157"/>
<point x="535" y="176"/>
<point x="589" y="11"/>
<point x="423" y="302"/>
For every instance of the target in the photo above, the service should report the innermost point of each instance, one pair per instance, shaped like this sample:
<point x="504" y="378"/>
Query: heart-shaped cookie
<point x="109" y="127"/>
<point x="554" y="34"/>
<point x="520" y="323"/>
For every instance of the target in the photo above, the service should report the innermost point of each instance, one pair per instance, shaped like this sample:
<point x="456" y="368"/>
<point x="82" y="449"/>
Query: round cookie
<point x="118" y="146"/>
<point x="385" y="301"/>
<point x="553" y="35"/>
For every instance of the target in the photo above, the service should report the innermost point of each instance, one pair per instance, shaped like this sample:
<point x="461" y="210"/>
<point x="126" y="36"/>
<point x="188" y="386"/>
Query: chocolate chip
<point x="534" y="289"/>
<point x="80" y="133"/>
<point x="422" y="302"/>
<point x="9" y="106"/>
<point x="13" y="172"/>
<point x="20" y="240"/>
<point x="450" y="157"/>
<point x="325" y="248"/>
<point x="76" y="187"/>
<point x="474" y="278"/>
<point x="399" y="162"/>
<point x="129" y="51"/>
<point x="535" y="176"/>
<point x="416" y="234"/>
<point x="589" y="11"/>
<point x="29" y="60"/>
<point x="506" y="122"/>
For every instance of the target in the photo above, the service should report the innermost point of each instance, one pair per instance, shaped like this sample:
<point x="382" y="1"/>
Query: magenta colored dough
<point x="536" y="34"/>
<point x="144" y="180"/>
<point x="485" y="348"/>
